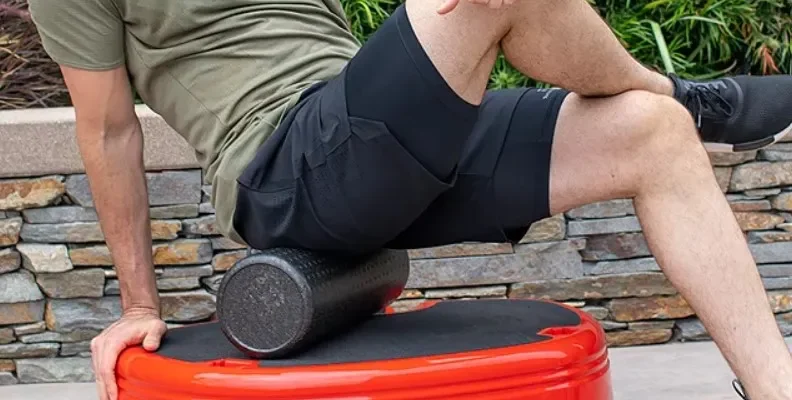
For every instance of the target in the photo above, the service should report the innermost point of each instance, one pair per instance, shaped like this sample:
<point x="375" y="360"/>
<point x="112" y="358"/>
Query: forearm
<point x="114" y="163"/>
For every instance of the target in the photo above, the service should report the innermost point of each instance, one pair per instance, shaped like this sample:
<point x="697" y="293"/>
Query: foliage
<point x="694" y="38"/>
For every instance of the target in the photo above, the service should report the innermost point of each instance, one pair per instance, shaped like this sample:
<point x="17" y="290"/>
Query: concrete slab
<point x="42" y="142"/>
<point x="668" y="372"/>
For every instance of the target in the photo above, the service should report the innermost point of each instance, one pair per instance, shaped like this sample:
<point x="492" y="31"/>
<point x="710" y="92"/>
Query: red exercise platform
<point x="460" y="350"/>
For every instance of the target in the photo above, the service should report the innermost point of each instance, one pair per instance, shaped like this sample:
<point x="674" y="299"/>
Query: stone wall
<point x="58" y="288"/>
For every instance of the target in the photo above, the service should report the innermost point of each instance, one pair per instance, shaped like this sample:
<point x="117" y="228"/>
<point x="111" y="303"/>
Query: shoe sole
<point x="749" y="146"/>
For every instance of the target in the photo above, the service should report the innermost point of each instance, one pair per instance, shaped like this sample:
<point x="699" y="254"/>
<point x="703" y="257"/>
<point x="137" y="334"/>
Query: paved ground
<point x="670" y="372"/>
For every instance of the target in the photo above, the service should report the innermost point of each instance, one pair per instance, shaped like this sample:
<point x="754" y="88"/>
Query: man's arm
<point x="111" y="144"/>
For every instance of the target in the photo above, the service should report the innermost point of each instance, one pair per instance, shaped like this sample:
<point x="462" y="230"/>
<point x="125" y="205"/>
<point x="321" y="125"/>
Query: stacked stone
<point x="58" y="288"/>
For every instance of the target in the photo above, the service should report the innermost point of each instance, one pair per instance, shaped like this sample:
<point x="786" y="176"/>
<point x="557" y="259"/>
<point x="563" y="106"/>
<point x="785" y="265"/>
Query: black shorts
<point x="386" y="155"/>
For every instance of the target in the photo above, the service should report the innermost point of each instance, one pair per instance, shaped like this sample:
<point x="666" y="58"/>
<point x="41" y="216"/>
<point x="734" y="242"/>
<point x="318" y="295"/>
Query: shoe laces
<point x="701" y="97"/>
<point x="739" y="389"/>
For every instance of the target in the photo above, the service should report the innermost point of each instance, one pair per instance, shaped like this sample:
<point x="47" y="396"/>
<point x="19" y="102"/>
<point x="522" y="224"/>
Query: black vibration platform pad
<point x="446" y="328"/>
<point x="279" y="301"/>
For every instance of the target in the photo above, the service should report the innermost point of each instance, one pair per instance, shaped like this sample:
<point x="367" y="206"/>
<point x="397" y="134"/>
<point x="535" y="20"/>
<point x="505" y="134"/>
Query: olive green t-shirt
<point x="221" y="73"/>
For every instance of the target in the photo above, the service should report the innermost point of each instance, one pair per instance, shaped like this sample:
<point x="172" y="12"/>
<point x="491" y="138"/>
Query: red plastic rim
<point x="573" y="365"/>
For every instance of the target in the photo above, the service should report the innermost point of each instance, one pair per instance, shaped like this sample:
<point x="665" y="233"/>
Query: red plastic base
<point x="573" y="365"/>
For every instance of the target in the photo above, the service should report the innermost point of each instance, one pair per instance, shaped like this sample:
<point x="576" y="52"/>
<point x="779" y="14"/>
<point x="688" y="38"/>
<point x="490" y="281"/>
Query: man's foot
<point x="739" y="389"/>
<point x="741" y="113"/>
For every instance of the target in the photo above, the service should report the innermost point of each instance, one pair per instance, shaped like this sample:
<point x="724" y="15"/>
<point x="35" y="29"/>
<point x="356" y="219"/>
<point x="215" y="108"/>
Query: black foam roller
<point x="277" y="302"/>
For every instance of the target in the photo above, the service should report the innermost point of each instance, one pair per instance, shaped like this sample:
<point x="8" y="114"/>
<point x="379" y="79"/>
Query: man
<point x="312" y="141"/>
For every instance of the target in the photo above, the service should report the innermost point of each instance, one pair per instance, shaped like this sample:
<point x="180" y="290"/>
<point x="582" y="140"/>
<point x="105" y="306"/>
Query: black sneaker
<point x="739" y="389"/>
<point x="740" y="113"/>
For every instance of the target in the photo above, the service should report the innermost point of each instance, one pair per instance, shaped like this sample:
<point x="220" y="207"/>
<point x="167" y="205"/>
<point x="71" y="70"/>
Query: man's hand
<point x="136" y="326"/>
<point x="450" y="5"/>
<point x="110" y="140"/>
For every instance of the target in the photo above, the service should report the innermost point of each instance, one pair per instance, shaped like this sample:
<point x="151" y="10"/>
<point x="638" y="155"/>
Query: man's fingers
<point x="107" y="365"/>
<point x="154" y="336"/>
<point x="96" y="351"/>
<point x="447" y="6"/>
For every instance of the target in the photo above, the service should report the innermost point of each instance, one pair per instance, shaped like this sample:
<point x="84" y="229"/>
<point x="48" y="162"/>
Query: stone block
<point x="19" y="287"/>
<point x="9" y="260"/>
<point x="206" y="208"/>
<point x="550" y="229"/>
<point x="73" y="349"/>
<point x="184" y="283"/>
<point x="7" y="379"/>
<point x="187" y="272"/>
<point x="757" y="194"/>
<point x="782" y="202"/>
<point x="771" y="253"/>
<point x="182" y="307"/>
<point x="761" y="175"/>
<point x="112" y="287"/>
<point x="44" y="258"/>
<point x="546" y="261"/>
<point x="757" y="221"/>
<point x="471" y="292"/>
<point x="10" y="230"/>
<point x="174" y="212"/>
<point x="7" y="335"/>
<point x="692" y="329"/>
<point x="638" y="337"/>
<point x="91" y="256"/>
<point x="646" y="325"/>
<point x="165" y="229"/>
<point x="787" y="226"/>
<point x="183" y="252"/>
<point x="224" y="261"/>
<point x="660" y="307"/>
<point x="410" y="294"/>
<point x="624" y="266"/>
<point x="55" y="370"/>
<point x="731" y="159"/>
<point x="82" y="314"/>
<point x="644" y="284"/>
<point x="203" y="226"/>
<point x="604" y="209"/>
<point x="723" y="176"/>
<point x="769" y="237"/>
<point x="30" y="329"/>
<point x="212" y="283"/>
<point x="7" y="366"/>
<point x="780" y="301"/>
<point x="164" y="188"/>
<point x="615" y="247"/>
<point x="599" y="313"/>
<point x="610" y="326"/>
<point x="58" y="337"/>
<point x="21" y="313"/>
<point x="461" y="250"/>
<point x="603" y="226"/>
<point x="73" y="284"/>
<point x="206" y="193"/>
<point x="776" y="155"/>
<point x="22" y="350"/>
<point x="60" y="215"/>
<point x="18" y="194"/>
<point x="223" y="243"/>
<point x="777" y="283"/>
<point x="775" y="270"/>
<point x="750" y="205"/>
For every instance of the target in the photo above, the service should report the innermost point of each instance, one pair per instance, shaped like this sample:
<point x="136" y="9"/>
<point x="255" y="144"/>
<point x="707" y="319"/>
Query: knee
<point x="662" y="129"/>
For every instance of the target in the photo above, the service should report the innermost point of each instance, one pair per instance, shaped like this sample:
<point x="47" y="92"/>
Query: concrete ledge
<point x="42" y="141"/>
